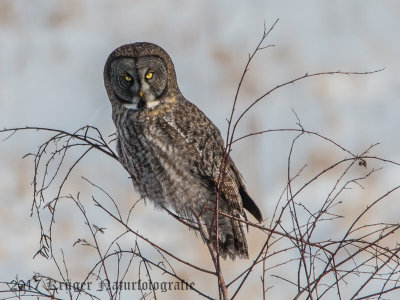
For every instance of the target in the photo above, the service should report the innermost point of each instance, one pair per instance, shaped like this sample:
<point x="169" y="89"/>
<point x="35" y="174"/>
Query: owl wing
<point x="188" y="128"/>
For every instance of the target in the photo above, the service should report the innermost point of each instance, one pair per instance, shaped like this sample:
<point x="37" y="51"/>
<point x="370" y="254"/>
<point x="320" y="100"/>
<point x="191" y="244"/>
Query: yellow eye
<point x="149" y="75"/>
<point x="128" y="78"/>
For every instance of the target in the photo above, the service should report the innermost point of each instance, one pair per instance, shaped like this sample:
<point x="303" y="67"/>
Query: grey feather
<point x="172" y="151"/>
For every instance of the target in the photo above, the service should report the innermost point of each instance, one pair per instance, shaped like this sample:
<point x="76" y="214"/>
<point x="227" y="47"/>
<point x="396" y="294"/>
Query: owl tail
<point x="232" y="239"/>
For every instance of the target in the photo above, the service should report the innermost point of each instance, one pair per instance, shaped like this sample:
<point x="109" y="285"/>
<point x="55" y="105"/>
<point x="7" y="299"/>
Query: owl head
<point x="139" y="76"/>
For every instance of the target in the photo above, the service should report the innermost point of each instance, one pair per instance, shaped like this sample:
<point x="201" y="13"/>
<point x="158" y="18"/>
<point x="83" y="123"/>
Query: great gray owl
<point x="171" y="150"/>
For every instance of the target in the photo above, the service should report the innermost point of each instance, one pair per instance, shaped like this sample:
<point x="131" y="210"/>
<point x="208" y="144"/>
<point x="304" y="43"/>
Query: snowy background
<point x="52" y="55"/>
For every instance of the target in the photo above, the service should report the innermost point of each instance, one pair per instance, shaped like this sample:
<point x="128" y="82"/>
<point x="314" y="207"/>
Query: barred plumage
<point x="172" y="151"/>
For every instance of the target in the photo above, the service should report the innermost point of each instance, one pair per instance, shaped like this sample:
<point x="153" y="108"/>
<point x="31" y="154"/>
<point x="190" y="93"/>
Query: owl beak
<point x="137" y="100"/>
<point x="135" y="88"/>
<point x="136" y="92"/>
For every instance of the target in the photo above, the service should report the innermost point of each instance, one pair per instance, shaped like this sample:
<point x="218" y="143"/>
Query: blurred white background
<point x="52" y="55"/>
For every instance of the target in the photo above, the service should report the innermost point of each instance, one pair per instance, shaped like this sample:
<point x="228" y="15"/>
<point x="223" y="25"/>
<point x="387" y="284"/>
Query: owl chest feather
<point x="136" y="154"/>
<point x="156" y="157"/>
